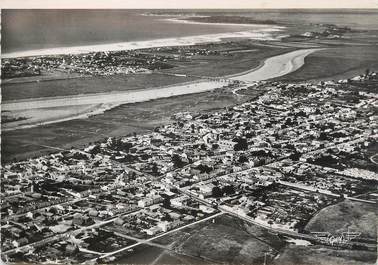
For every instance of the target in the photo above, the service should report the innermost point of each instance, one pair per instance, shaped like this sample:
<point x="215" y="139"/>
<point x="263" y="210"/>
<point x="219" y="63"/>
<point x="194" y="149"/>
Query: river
<point x="51" y="110"/>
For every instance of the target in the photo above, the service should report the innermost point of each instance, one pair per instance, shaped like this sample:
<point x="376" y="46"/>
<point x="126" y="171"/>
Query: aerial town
<point x="273" y="162"/>
<point x="102" y="63"/>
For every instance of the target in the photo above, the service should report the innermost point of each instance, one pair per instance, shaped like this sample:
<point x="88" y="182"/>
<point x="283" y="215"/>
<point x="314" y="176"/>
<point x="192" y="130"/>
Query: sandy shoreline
<point x="41" y="111"/>
<point x="186" y="21"/>
<point x="256" y="34"/>
<point x="276" y="66"/>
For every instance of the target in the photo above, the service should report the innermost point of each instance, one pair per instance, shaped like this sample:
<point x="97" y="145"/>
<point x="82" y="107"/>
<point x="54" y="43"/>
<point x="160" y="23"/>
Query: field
<point x="358" y="217"/>
<point x="232" y="241"/>
<point x="152" y="255"/>
<point x="317" y="255"/>
<point x="230" y="62"/>
<point x="228" y="240"/>
<point x="85" y="85"/>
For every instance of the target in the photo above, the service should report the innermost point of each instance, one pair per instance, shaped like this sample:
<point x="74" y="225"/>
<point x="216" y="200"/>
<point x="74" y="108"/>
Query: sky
<point x="181" y="4"/>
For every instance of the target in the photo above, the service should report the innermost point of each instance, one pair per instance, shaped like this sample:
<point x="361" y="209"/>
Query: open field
<point x="338" y="218"/>
<point x="85" y="85"/>
<point x="44" y="76"/>
<point x="317" y="255"/>
<point x="152" y="255"/>
<point x="233" y="241"/>
<point x="234" y="63"/>
<point x="228" y="240"/>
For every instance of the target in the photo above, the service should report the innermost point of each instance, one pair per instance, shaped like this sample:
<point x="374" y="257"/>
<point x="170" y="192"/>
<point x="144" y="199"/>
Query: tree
<point x="243" y="159"/>
<point x="367" y="72"/>
<point x="204" y="168"/>
<point x="242" y="144"/>
<point x="323" y="136"/>
<point x="154" y="168"/>
<point x="217" y="192"/>
<point x="215" y="146"/>
<point x="176" y="159"/>
<point x="95" y="150"/>
<point x="295" y="156"/>
<point x="229" y="189"/>
<point x="167" y="203"/>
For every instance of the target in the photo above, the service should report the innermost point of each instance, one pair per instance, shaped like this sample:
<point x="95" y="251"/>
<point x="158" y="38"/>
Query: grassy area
<point x="357" y="216"/>
<point x="317" y="255"/>
<point x="233" y="63"/>
<point x="144" y="254"/>
<point x="44" y="76"/>
<point x="85" y="85"/>
<point x="227" y="240"/>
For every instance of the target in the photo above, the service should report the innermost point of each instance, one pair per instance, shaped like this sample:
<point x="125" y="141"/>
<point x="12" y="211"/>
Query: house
<point x="153" y="230"/>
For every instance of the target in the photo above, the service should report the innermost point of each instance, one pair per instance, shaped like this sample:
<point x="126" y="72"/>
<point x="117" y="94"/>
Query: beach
<point x="276" y="66"/>
<point x="183" y="20"/>
<point x="258" y="33"/>
<point x="40" y="111"/>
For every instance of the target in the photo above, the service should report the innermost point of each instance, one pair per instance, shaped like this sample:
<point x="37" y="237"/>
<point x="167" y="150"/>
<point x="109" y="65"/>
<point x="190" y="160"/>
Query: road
<point x="356" y="140"/>
<point x="158" y="236"/>
<point x="293" y="234"/>
<point x="139" y="240"/>
<point x="307" y="188"/>
<point x="321" y="191"/>
<point x="67" y="234"/>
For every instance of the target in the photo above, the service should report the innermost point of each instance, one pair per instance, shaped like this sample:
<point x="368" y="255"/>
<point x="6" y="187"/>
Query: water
<point x="366" y="19"/>
<point x="40" y="29"/>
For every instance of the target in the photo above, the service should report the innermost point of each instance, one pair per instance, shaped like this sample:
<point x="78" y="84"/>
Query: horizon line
<point x="190" y="8"/>
<point x="193" y="4"/>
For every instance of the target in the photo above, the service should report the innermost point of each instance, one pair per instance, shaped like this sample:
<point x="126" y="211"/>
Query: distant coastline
<point x="229" y="20"/>
<point x="260" y="33"/>
<point x="205" y="20"/>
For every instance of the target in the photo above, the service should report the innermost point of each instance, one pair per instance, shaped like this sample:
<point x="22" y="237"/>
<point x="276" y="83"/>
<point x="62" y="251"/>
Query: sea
<point x="24" y="30"/>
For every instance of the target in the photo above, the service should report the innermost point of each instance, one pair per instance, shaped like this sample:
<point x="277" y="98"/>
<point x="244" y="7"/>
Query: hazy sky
<point x="189" y="4"/>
